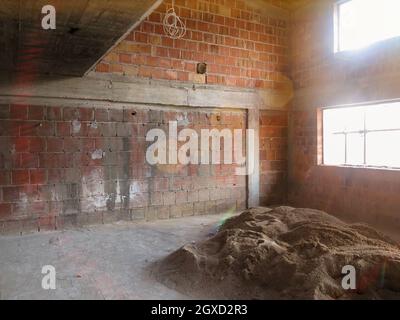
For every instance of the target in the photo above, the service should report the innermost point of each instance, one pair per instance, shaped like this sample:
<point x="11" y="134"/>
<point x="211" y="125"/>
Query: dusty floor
<point x="100" y="262"/>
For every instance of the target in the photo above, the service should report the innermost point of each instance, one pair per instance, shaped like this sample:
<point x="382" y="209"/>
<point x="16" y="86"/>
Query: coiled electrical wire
<point x="174" y="27"/>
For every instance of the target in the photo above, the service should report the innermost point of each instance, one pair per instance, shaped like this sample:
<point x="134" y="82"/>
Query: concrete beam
<point x="354" y="91"/>
<point x="101" y="88"/>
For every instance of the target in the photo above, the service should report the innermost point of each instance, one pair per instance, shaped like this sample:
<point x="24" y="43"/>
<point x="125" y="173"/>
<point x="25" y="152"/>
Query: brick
<point x="55" y="144"/>
<point x="107" y="129"/>
<point x="20" y="177"/>
<point x="5" y="211"/>
<point x="116" y="115"/>
<point x="101" y="114"/>
<point x="54" y="113"/>
<point x="19" y="112"/>
<point x="5" y="178"/>
<point x="169" y="198"/>
<point x="162" y="212"/>
<point x="103" y="67"/>
<point x="151" y="213"/>
<point x="204" y="195"/>
<point x="156" y="198"/>
<point x="124" y="129"/>
<point x="37" y="145"/>
<point x="138" y="214"/>
<point x="129" y="70"/>
<point x="56" y="175"/>
<point x="28" y="160"/>
<point x="36" y="112"/>
<point x="4" y="111"/>
<point x="159" y="184"/>
<point x="155" y="17"/>
<point x="130" y="115"/>
<point x="141" y="37"/>
<point x="72" y="144"/>
<point x="178" y="183"/>
<point x="186" y="209"/>
<point x="63" y="129"/>
<point x="38" y="176"/>
<point x="54" y="160"/>
<point x="45" y="129"/>
<point x="199" y="208"/>
<point x="181" y="197"/>
<point x="51" y="192"/>
<point x="21" y="144"/>
<point x="274" y="119"/>
<point x="26" y="128"/>
<point x="125" y="58"/>
<point x="138" y="201"/>
<point x="72" y="175"/>
<point x="47" y="223"/>
<point x="79" y="128"/>
<point x="11" y="194"/>
<point x="193" y="196"/>
<point x="85" y="114"/>
<point x="70" y="114"/>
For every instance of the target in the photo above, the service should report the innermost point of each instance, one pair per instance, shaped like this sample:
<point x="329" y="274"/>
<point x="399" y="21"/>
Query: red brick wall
<point x="273" y="157"/>
<point x="51" y="178"/>
<point x="48" y="178"/>
<point x="322" y="79"/>
<point x="365" y="195"/>
<point x="314" y="62"/>
<point x="242" y="46"/>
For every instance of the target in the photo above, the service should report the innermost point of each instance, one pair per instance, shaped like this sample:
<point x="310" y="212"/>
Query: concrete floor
<point x="99" y="262"/>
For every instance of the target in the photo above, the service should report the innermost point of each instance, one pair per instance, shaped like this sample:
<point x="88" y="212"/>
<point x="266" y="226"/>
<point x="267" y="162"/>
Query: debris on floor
<point x="285" y="253"/>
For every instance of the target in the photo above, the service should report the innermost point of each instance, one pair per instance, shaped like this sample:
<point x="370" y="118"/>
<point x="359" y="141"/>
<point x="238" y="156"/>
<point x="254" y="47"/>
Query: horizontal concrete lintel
<point x="355" y="91"/>
<point x="107" y="88"/>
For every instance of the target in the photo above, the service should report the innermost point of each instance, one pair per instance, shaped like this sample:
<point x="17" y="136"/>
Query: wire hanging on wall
<point x="174" y="27"/>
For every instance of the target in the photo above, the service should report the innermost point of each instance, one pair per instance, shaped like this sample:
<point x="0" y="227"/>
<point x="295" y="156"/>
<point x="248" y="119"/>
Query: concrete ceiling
<point x="86" y="30"/>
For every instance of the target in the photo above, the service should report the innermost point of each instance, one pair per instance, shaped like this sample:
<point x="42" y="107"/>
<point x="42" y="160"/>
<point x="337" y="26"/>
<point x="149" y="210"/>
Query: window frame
<point x="336" y="32"/>
<point x="364" y="132"/>
<point x="336" y="25"/>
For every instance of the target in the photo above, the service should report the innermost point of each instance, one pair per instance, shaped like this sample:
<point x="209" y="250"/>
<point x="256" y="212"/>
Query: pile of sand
<point x="285" y="253"/>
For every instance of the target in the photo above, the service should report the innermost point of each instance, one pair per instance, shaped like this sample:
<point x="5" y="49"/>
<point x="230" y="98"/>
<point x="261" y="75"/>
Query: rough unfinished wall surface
<point x="273" y="157"/>
<point x="322" y="78"/>
<point x="66" y="166"/>
<point x="244" y="43"/>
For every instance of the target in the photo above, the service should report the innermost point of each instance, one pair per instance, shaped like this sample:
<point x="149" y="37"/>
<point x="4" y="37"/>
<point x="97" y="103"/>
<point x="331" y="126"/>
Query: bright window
<point x="366" y="136"/>
<point x="359" y="23"/>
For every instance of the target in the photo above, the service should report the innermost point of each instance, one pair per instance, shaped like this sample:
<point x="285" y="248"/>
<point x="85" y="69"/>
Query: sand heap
<point x="285" y="253"/>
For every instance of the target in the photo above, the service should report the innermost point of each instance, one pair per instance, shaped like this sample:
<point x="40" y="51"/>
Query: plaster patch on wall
<point x="93" y="125"/>
<point x="94" y="196"/>
<point x="76" y="126"/>
<point x="183" y="120"/>
<point x="134" y="188"/>
<point x="119" y="197"/>
<point x="98" y="154"/>
<point x="54" y="196"/>
<point x="23" y="197"/>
